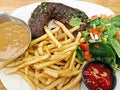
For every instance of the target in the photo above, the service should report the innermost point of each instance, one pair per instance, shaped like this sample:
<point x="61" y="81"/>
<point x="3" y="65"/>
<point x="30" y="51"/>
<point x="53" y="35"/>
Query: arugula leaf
<point x="75" y="21"/>
<point x="79" y="54"/>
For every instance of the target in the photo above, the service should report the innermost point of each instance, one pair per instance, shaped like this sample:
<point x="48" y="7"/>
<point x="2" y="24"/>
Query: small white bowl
<point x="4" y="17"/>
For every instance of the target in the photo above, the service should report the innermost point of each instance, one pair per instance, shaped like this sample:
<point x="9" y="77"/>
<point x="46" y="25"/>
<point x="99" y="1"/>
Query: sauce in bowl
<point x="98" y="77"/>
<point x="14" y="39"/>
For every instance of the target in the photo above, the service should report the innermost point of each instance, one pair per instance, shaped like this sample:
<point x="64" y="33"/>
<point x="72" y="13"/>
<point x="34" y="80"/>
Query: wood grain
<point x="10" y="5"/>
<point x="1" y="86"/>
<point x="114" y="5"/>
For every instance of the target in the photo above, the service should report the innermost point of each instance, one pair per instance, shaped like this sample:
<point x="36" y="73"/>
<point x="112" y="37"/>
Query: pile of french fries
<point x="50" y="62"/>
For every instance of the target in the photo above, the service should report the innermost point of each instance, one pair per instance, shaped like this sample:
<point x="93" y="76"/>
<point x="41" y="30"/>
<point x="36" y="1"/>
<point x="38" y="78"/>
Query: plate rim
<point x="61" y="1"/>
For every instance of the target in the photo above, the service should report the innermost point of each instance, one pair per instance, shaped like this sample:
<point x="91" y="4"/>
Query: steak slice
<point x="47" y="11"/>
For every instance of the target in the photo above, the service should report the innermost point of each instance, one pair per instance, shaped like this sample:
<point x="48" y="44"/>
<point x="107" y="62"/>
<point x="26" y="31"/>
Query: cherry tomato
<point x="87" y="55"/>
<point x="94" y="17"/>
<point x="84" y="46"/>
<point x="94" y="31"/>
<point x="104" y="16"/>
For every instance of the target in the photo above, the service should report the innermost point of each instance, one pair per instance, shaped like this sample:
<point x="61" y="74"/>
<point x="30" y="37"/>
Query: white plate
<point x="15" y="82"/>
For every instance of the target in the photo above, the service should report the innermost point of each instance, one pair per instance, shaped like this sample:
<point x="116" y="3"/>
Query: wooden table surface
<point x="10" y="5"/>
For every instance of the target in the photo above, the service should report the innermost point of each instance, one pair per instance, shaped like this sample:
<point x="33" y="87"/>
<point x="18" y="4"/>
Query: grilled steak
<point x="47" y="11"/>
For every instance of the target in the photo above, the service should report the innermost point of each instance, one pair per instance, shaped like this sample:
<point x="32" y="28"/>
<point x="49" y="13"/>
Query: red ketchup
<point x="98" y="77"/>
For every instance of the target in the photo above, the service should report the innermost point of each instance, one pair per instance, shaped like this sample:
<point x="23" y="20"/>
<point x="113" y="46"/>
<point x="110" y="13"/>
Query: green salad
<point x="102" y="41"/>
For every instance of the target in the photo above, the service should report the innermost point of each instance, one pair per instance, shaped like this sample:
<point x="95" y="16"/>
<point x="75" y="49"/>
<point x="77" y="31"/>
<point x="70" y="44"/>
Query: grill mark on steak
<point x="47" y="11"/>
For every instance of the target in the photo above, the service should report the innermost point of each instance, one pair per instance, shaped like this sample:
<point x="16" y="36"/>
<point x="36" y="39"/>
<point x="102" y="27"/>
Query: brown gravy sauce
<point x="14" y="39"/>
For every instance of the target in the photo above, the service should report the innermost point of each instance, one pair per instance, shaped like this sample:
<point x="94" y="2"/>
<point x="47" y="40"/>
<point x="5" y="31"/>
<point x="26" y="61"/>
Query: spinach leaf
<point x="103" y="52"/>
<point x="115" y="21"/>
<point x="79" y="54"/>
<point x="98" y="49"/>
<point x="112" y="39"/>
<point x="116" y="45"/>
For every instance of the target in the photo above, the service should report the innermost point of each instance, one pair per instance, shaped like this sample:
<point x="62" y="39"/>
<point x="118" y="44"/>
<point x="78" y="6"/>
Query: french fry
<point x="47" y="50"/>
<point x="67" y="64"/>
<point x="72" y="60"/>
<point x="26" y="53"/>
<point x="51" y="72"/>
<point x="70" y="74"/>
<point x="51" y="46"/>
<point x="41" y="58"/>
<point x="30" y="72"/>
<point x="40" y="51"/>
<point x="52" y="37"/>
<point x="48" y="81"/>
<point x="75" y="81"/>
<point x="37" y="74"/>
<point x="42" y="65"/>
<point x="55" y="83"/>
<point x="37" y="83"/>
<point x="43" y="75"/>
<point x="14" y="69"/>
<point x="4" y="64"/>
<point x="82" y="40"/>
<point x="43" y="37"/>
<point x="78" y="37"/>
<point x="31" y="51"/>
<point x="65" y="30"/>
<point x="78" y="61"/>
<point x="66" y="42"/>
<point x="54" y="50"/>
<point x="78" y="86"/>
<point x="36" y="53"/>
<point x="70" y="49"/>
<point x="74" y="29"/>
<point x="55" y="67"/>
<point x="40" y="47"/>
<point x="60" y="63"/>
<point x="43" y="80"/>
<point x="61" y="36"/>
<point x="60" y="85"/>
<point x="30" y="58"/>
<point x="60" y="56"/>
<point x="26" y="70"/>
<point x="13" y="64"/>
<point x="77" y="66"/>
<point x="67" y="80"/>
<point x="69" y="45"/>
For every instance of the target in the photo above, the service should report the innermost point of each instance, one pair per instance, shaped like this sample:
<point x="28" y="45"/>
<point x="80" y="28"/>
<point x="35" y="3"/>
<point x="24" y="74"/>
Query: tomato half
<point x="84" y="46"/>
<point x="87" y="55"/>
